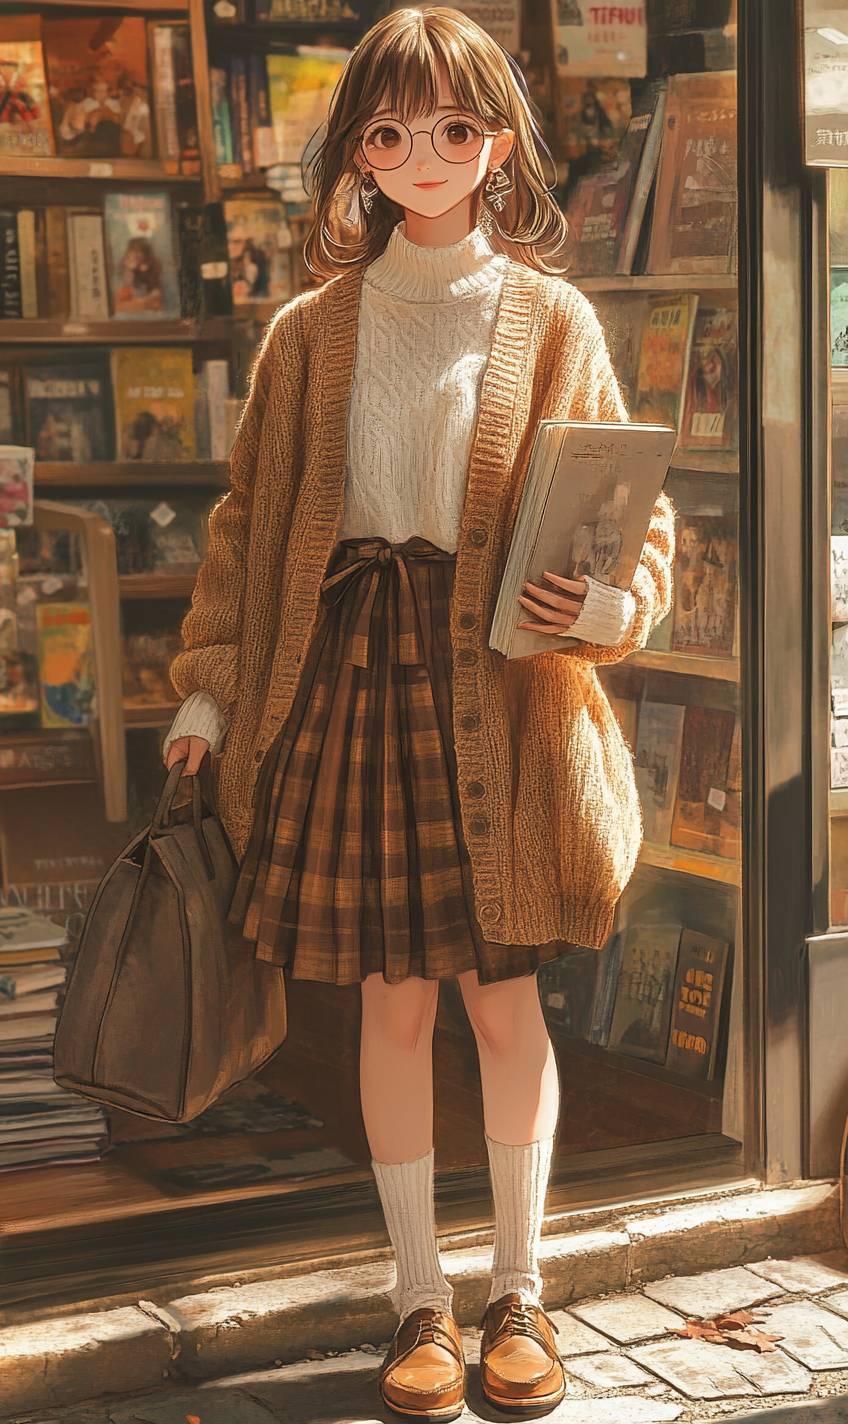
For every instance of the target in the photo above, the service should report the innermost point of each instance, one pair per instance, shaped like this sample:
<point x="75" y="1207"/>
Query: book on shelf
<point x="607" y="205"/>
<point x="29" y="268"/>
<point x="695" y="216"/>
<point x="174" y="97"/>
<point x="20" y="929"/>
<point x="657" y="766"/>
<point x="301" y="86"/>
<point x="156" y="535"/>
<point x="26" y="130"/>
<point x="53" y="261"/>
<point x="258" y="244"/>
<point x="65" y="664"/>
<point x="146" y="659"/>
<point x="705" y="585"/>
<point x="839" y="316"/>
<point x="622" y="317"/>
<point x="99" y="86"/>
<point x="697" y="1002"/>
<point x="11" y="300"/>
<point x="16" y="464"/>
<point x="664" y="357"/>
<point x="11" y="424"/>
<point x="592" y="116"/>
<point x="141" y="247"/>
<point x="154" y="403"/>
<point x="643" y="998"/>
<point x="585" y="508"/>
<point x="87" y="266"/>
<point x="68" y="410"/>
<point x="708" y="810"/>
<point x="711" y="407"/>
<point x="213" y="391"/>
<point x="599" y="39"/>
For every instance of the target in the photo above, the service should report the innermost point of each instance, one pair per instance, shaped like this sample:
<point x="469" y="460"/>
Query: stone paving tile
<point x="734" y="1288"/>
<point x="627" y="1319"/>
<point x="232" y="1406"/>
<point x="838" y="1302"/>
<point x="815" y="1337"/>
<point x="608" y="1371"/>
<point x="804" y="1275"/>
<point x="704" y="1371"/>
<point x="815" y="1411"/>
<point x="574" y="1337"/>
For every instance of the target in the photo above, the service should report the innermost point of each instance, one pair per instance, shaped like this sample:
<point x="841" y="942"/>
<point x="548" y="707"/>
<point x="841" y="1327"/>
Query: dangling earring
<point x="496" y="189"/>
<point x="367" y="194"/>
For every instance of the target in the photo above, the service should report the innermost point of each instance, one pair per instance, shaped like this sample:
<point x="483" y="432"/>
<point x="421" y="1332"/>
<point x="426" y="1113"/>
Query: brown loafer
<point x="423" y="1374"/>
<point x="520" y="1367"/>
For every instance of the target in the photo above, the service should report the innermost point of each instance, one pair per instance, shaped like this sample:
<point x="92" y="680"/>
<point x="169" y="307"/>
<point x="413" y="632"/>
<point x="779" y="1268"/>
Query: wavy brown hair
<point x="396" y="64"/>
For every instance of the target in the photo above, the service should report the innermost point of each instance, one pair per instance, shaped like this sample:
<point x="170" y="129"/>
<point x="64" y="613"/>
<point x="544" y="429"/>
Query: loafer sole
<point x="404" y="1411"/>
<point x="524" y="1406"/>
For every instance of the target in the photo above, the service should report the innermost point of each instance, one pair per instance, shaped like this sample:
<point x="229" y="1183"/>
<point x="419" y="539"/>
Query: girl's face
<point x="432" y="180"/>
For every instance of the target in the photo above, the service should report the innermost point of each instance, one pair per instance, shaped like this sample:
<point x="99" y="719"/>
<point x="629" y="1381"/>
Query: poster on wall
<point x="825" y="84"/>
<point x="600" y="39"/>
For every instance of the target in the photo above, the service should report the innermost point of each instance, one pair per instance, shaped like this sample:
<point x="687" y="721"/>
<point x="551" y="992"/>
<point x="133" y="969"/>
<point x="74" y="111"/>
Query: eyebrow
<point x="442" y="109"/>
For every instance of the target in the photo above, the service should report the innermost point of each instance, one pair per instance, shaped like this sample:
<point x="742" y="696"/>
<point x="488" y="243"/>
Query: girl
<point x="406" y="803"/>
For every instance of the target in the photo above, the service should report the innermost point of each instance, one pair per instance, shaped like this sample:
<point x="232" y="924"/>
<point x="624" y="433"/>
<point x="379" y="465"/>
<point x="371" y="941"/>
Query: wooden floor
<point x="607" y="1102"/>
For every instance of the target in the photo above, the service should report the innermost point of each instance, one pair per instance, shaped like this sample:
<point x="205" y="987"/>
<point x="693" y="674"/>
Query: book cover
<point x="11" y="297"/>
<point x="87" y="263"/>
<point x="707" y="811"/>
<point x="664" y="357"/>
<point x="190" y="240"/>
<point x="825" y="83"/>
<point x="705" y="580"/>
<point x="646" y="173"/>
<point x="222" y="119"/>
<point x="839" y="316"/>
<point x="154" y="403"/>
<point x="142" y="257"/>
<point x="695" y="214"/>
<point x="99" y="90"/>
<point x="696" y="1004"/>
<point x="642" y="1011"/>
<point x="259" y="108"/>
<point x="68" y="411"/>
<point x="258" y="250"/>
<point x="711" y="408"/>
<point x="165" y="96"/>
<point x="58" y="274"/>
<point x="186" y="99"/>
<point x="130" y="521"/>
<point x="146" y="659"/>
<point x="25" y="127"/>
<point x="592" y="117"/>
<point x="622" y="317"/>
<point x="19" y="702"/>
<point x="600" y="39"/>
<point x="598" y="206"/>
<point x="16" y="462"/>
<point x="29" y="264"/>
<point x="237" y="65"/>
<point x="300" y="87"/>
<point x="585" y="508"/>
<point x="177" y="536"/>
<point x="10" y="405"/>
<point x="65" y="664"/>
<point x="657" y="766"/>
<point x="21" y="928"/>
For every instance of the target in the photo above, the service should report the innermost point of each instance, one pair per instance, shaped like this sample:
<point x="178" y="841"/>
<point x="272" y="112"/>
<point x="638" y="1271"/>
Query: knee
<point x="401" y="1017"/>
<point x="503" y="1016"/>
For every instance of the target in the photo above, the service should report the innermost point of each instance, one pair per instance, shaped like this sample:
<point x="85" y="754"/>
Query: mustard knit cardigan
<point x="549" y="805"/>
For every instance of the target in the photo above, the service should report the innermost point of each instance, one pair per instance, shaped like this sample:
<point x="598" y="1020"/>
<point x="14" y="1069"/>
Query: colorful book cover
<point x="623" y="319"/>
<point x="642" y="1012"/>
<point x="695" y="213"/>
<point x="301" y="86"/>
<point x="711" y="409"/>
<point x="25" y="127"/>
<point x="664" y="357"/>
<point x="657" y="766"/>
<point x="696" y="1004"/>
<point x="222" y="120"/>
<point x="65" y="664"/>
<point x="142" y="255"/>
<point x="707" y="813"/>
<point x="258" y="246"/>
<point x="16" y="463"/>
<point x="839" y="316"/>
<point x="600" y="39"/>
<point x="146" y="659"/>
<point x="68" y="411"/>
<point x="99" y="88"/>
<point x="592" y="116"/>
<point x="154" y="403"/>
<point x="705" y="579"/>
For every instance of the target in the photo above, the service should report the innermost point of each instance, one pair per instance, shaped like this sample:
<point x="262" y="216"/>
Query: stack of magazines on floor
<point x="39" y="1121"/>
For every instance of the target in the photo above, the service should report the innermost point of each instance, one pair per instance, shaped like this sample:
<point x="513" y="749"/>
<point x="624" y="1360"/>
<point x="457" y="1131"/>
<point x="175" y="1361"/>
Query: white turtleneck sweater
<point x="424" y="334"/>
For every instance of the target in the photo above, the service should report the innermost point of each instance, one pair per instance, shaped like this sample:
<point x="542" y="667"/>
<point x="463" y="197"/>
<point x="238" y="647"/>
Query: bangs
<point x="407" y="78"/>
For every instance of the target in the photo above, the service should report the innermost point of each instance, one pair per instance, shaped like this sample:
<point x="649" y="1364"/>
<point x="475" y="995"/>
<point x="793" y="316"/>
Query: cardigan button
<point x="479" y="825"/>
<point x="258" y="755"/>
<point x="468" y="620"/>
<point x="491" y="910"/>
<point x="466" y="656"/>
<point x="478" y="537"/>
<point x="475" y="789"/>
<point x="470" y="721"/>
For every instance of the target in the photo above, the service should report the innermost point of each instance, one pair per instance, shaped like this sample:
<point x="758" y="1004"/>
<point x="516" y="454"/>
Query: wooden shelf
<point x="668" y="282"/>
<point x="131" y="474"/>
<point x="155" y="714"/>
<point x="706" y="462"/>
<point x="156" y="585"/>
<point x="145" y="7"/>
<point x="688" y="664"/>
<point x="124" y="170"/>
<point x="43" y="332"/>
<point x="692" y="862"/>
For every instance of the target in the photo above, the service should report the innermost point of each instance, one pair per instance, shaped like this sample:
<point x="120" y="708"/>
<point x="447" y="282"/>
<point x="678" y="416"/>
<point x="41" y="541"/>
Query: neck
<point x="439" y="232"/>
<point x="445" y="273"/>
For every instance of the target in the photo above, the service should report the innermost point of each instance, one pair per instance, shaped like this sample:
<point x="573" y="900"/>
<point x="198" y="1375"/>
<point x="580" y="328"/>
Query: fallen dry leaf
<point x="735" y="1328"/>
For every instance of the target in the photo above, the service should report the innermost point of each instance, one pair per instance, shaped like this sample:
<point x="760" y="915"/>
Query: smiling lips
<point x="433" y="183"/>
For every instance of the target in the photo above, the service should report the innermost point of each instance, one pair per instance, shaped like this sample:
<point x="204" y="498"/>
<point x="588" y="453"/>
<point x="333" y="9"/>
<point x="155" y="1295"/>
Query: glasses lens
<point x="458" y="138"/>
<point x="386" y="144"/>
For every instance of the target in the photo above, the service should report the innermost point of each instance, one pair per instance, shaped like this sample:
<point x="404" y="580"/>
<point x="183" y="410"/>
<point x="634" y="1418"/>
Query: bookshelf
<point x="41" y="332"/>
<point x="132" y="474"/>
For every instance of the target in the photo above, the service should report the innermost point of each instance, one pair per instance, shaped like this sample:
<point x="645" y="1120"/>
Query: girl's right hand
<point x="192" y="748"/>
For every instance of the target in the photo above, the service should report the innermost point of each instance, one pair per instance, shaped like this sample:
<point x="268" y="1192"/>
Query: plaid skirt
<point x="356" y="862"/>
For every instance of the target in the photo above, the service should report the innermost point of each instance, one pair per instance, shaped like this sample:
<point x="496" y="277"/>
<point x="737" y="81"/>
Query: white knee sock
<point x="519" y="1176"/>
<point x="406" y="1192"/>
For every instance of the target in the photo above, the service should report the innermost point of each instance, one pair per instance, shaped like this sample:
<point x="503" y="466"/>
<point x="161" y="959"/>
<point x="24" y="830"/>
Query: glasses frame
<point x="458" y="113"/>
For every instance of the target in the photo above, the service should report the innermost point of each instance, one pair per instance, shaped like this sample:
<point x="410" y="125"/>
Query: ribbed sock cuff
<point x="406" y="1194"/>
<point x="519" y="1174"/>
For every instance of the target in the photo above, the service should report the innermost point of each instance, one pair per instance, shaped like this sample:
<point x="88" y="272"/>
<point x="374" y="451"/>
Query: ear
<point x="502" y="147"/>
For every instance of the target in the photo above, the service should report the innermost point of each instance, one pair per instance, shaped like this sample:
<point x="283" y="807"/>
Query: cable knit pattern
<point x="547" y="794"/>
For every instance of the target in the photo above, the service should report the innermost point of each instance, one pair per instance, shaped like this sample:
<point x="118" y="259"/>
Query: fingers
<point x="557" y="610"/>
<point x="190" y="749"/>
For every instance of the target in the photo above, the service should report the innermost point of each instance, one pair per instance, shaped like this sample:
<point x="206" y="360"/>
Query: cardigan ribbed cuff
<point x="606" y="616"/>
<point x="198" y="716"/>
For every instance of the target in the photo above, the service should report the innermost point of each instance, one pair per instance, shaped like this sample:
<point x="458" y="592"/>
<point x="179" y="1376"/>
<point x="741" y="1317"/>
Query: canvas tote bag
<point x="166" y="1005"/>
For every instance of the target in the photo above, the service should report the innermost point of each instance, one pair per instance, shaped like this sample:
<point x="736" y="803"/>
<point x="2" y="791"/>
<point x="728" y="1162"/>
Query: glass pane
<point x="838" y="224"/>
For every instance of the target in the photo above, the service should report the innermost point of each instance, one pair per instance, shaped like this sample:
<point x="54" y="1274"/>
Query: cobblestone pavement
<point x="624" y="1364"/>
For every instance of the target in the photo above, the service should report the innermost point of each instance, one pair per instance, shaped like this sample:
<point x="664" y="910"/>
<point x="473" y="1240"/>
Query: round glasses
<point x="457" y="138"/>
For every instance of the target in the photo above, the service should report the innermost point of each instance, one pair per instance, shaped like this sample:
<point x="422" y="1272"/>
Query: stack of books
<point x="40" y="1122"/>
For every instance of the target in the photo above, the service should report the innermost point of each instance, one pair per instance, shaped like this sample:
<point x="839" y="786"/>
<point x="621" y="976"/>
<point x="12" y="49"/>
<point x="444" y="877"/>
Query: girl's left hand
<point x="557" y="610"/>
